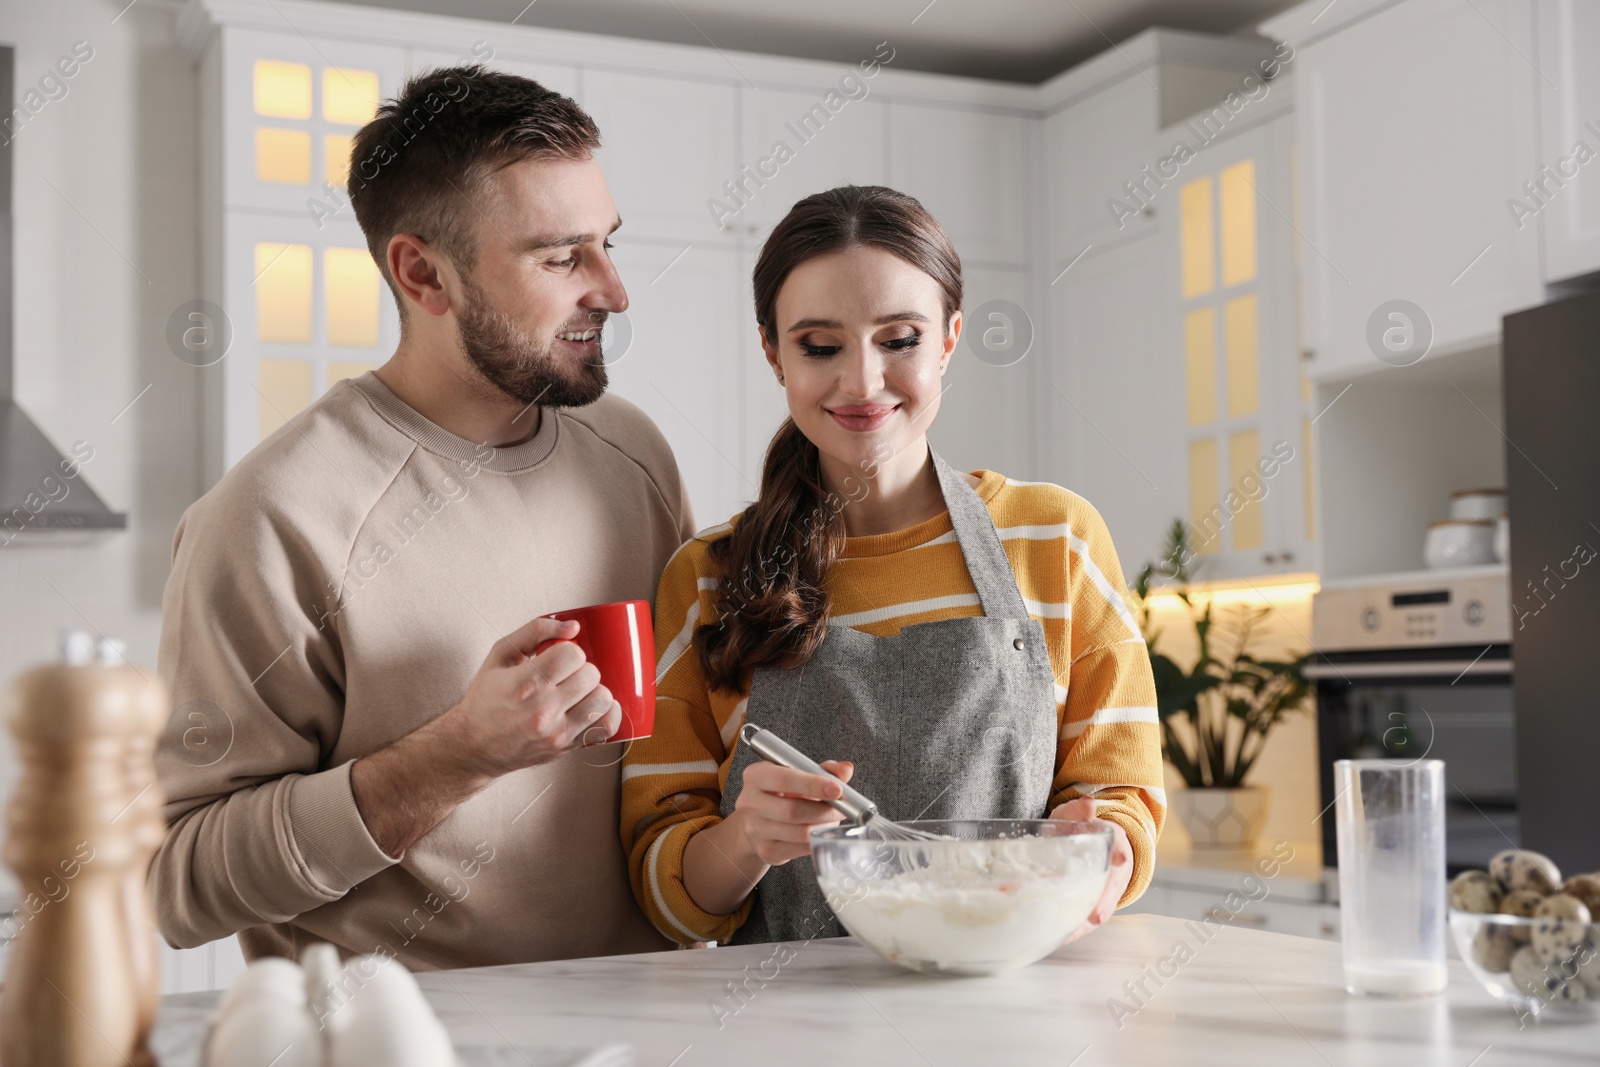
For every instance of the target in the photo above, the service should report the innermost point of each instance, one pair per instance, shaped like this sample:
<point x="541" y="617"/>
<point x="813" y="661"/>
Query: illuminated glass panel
<point x="1244" y="478"/>
<point x="283" y="293"/>
<point x="1197" y="238"/>
<point x="351" y="293"/>
<point x="285" y="386"/>
<point x="1200" y="357"/>
<point x="349" y="96"/>
<point x="283" y="156"/>
<point x="1241" y="345"/>
<point x="1237" y="193"/>
<point x="282" y="90"/>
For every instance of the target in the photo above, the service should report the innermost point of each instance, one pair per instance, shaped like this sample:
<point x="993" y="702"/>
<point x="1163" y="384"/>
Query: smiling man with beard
<point x="368" y="746"/>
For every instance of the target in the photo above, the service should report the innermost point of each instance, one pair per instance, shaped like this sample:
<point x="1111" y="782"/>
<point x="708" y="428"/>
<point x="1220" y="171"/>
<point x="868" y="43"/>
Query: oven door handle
<point x="1414" y="668"/>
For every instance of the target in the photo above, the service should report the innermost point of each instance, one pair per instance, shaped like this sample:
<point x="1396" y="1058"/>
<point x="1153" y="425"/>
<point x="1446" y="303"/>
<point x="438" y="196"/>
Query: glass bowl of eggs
<point x="1531" y="939"/>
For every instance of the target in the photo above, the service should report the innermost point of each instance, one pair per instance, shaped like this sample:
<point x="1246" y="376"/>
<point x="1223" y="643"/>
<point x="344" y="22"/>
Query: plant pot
<point x="1221" y="818"/>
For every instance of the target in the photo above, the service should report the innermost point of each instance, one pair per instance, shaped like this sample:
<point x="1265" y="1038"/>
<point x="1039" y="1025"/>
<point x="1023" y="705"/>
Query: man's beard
<point x="517" y="365"/>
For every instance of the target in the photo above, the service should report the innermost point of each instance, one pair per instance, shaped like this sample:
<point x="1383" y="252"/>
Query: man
<point x="359" y="753"/>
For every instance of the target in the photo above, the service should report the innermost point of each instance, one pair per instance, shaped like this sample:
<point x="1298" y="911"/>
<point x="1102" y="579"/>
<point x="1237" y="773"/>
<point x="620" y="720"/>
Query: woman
<point x="960" y="641"/>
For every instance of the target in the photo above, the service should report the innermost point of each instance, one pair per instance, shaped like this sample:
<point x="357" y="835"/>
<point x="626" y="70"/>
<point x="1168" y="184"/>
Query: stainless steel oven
<point x="1417" y="666"/>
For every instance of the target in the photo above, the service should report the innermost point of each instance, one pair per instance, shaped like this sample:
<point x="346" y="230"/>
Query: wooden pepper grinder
<point x="76" y="991"/>
<point x="149" y="827"/>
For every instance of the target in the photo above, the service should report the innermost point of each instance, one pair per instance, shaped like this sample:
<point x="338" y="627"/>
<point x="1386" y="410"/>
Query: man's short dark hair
<point x="420" y="165"/>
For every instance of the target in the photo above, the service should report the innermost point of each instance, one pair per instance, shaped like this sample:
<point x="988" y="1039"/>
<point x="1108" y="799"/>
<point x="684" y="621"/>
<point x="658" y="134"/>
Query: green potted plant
<point x="1216" y="716"/>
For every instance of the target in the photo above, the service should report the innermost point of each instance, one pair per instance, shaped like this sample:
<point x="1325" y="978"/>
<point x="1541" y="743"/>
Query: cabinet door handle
<point x="1235" y="917"/>
<point x="1269" y="558"/>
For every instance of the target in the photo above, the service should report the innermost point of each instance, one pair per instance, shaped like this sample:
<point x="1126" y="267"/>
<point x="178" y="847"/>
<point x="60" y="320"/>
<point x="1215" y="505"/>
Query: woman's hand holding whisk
<point x="778" y="808"/>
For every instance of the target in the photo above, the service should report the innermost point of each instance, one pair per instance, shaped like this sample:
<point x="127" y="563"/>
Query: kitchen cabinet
<point x="1092" y="150"/>
<point x="1234" y="349"/>
<point x="1561" y="195"/>
<point x="984" y="419"/>
<point x="1188" y="331"/>
<point x="795" y="146"/>
<point x="972" y="170"/>
<point x="1172" y="368"/>
<point x="1111" y="385"/>
<point x="669" y="144"/>
<point x="558" y="77"/>
<point x="198" y="970"/>
<point x="293" y="105"/>
<point x="1409" y="202"/>
<point x="293" y="301"/>
<point x="187" y="970"/>
<point x="1303" y="919"/>
<point x="689" y="364"/>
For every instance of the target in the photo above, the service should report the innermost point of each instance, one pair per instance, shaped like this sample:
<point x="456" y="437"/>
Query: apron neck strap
<point x="980" y="545"/>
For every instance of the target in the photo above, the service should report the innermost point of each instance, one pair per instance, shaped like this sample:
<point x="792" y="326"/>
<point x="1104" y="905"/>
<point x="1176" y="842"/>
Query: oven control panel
<point x="1464" y="606"/>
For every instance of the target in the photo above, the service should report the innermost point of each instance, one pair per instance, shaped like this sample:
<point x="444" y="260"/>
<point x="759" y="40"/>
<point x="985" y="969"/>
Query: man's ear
<point x="422" y="274"/>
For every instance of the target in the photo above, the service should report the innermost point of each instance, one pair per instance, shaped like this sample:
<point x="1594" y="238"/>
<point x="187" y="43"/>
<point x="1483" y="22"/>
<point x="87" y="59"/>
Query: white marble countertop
<point x="1245" y="997"/>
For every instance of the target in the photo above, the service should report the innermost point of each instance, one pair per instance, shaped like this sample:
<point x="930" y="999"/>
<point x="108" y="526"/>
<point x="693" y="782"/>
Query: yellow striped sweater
<point x="1067" y="570"/>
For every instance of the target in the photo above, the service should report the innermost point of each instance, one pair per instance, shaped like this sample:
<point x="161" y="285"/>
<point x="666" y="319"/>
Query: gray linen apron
<point x="946" y="720"/>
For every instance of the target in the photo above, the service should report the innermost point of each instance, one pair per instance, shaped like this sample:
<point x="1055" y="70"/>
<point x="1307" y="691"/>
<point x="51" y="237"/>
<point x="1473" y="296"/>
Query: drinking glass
<point x="1392" y="893"/>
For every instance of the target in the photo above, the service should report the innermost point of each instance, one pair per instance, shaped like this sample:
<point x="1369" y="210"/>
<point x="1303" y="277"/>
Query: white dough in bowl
<point x="972" y="907"/>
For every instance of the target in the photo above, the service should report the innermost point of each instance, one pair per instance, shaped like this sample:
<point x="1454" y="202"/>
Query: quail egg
<point x="1588" y="963"/>
<point x="1493" y="947"/>
<point x="1586" y="887"/>
<point x="1518" y="869"/>
<point x="1476" y="891"/>
<point x="1560" y="928"/>
<point x="1543" y="981"/>
<point x="1522" y="903"/>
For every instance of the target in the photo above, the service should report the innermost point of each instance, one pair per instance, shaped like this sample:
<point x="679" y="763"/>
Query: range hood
<point x="43" y="494"/>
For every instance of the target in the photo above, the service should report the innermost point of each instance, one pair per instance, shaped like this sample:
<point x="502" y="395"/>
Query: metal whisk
<point x="774" y="749"/>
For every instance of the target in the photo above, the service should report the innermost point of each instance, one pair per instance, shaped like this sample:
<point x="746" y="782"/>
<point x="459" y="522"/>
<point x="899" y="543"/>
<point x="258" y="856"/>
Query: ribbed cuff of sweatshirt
<point x="1139" y="840"/>
<point x="331" y="841"/>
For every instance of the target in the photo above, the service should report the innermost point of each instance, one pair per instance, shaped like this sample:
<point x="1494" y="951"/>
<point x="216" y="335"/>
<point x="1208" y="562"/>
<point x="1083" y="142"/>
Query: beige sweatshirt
<point x="338" y="589"/>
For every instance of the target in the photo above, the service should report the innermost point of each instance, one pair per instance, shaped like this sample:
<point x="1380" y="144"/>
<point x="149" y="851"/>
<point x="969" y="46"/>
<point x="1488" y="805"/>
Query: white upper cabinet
<point x="1415" y="124"/>
<point x="668" y="146"/>
<point x="972" y="170"/>
<point x="797" y="143"/>
<point x="1093" y="150"/>
<point x="1113" y="394"/>
<point x="560" y="77"/>
<point x="291" y="108"/>
<point x="682" y="364"/>
<point x="985" y="415"/>
<point x="1235" y="350"/>
<point x="1563" y="194"/>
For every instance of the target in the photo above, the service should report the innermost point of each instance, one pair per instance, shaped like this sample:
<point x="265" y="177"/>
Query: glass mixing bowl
<point x="1533" y="965"/>
<point x="1002" y="894"/>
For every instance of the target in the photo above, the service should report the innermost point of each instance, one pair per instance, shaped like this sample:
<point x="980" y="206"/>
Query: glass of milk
<point x="1392" y="891"/>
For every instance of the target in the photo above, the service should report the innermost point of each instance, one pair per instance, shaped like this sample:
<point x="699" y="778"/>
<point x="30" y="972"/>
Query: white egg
<point x="272" y="978"/>
<point x="265" y="1033"/>
<point x="325" y="985"/>
<point x="390" y="1022"/>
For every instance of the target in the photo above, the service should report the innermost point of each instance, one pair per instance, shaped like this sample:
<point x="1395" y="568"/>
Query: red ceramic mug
<point x="619" y="640"/>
